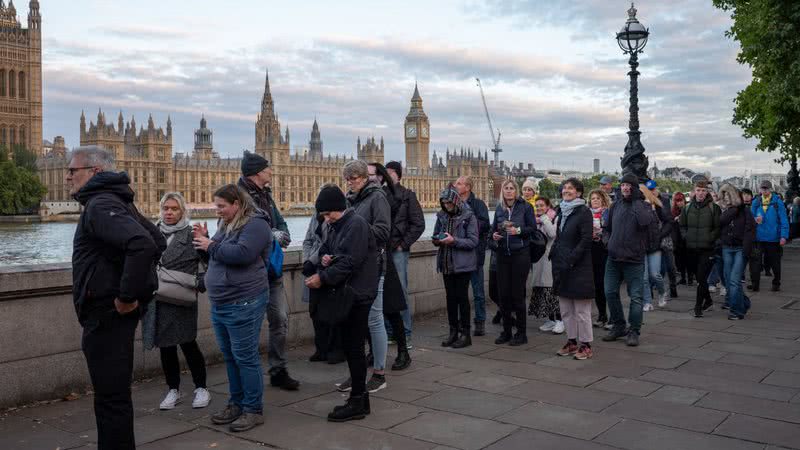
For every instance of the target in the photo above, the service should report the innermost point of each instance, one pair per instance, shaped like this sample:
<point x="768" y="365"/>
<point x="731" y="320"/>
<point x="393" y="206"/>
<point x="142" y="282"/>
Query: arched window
<point x="12" y="83"/>
<point x="21" y="83"/>
<point x="2" y="82"/>
<point x="12" y="136"/>
<point x="22" y="136"/>
<point x="3" y="135"/>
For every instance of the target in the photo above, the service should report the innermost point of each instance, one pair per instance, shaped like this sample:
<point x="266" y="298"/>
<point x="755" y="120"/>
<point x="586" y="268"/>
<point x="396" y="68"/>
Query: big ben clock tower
<point x="417" y="136"/>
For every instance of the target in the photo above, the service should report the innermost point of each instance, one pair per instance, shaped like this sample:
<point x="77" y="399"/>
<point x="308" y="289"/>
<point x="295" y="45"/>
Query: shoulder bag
<point x="176" y="288"/>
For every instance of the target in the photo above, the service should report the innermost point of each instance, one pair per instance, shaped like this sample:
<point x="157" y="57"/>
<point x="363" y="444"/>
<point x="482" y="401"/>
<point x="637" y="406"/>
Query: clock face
<point x="411" y="131"/>
<point x="424" y="131"/>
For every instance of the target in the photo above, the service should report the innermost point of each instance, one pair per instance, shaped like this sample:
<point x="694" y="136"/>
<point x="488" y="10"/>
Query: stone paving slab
<point x="626" y="386"/>
<point x="668" y="413"/>
<point x="471" y="403"/>
<point x="455" y="430"/>
<point x="761" y="430"/>
<point x="559" y="420"/>
<point x="704" y="382"/>
<point x="202" y="439"/>
<point x="768" y="409"/>
<point x="635" y="435"/>
<point x="21" y="433"/>
<point x="676" y="394"/>
<point x="727" y="371"/>
<point x="563" y="395"/>
<point x="786" y="379"/>
<point x="534" y="439"/>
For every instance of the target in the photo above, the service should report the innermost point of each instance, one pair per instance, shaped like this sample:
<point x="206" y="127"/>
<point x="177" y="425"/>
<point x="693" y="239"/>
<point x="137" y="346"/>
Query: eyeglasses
<point x="72" y="170"/>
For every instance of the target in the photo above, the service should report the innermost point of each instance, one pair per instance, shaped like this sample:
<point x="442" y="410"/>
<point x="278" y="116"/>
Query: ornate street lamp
<point x="793" y="179"/>
<point x="632" y="39"/>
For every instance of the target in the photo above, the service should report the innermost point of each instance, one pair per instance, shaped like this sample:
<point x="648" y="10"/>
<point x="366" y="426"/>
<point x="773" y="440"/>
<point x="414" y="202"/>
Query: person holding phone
<point x="456" y="235"/>
<point x="514" y="222"/>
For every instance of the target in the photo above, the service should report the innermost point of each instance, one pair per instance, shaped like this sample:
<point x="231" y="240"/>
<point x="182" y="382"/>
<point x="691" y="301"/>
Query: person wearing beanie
<point x="626" y="232"/>
<point x="456" y="236"/>
<point x="529" y="192"/>
<point x="772" y="232"/>
<point x="256" y="180"/>
<point x="407" y="227"/>
<point x="347" y="262"/>
<point x="700" y="225"/>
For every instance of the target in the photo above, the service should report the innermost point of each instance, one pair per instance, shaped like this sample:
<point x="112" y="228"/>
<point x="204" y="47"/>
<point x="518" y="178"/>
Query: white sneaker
<point x="609" y="326"/>
<point x="201" y="398"/>
<point x="559" y="327"/>
<point x="712" y="288"/>
<point x="173" y="398"/>
<point x="662" y="301"/>
<point x="547" y="326"/>
<point x="647" y="307"/>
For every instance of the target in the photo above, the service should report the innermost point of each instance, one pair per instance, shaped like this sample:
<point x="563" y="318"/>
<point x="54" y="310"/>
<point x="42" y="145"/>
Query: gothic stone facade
<point x="21" y="78"/>
<point x="147" y="155"/>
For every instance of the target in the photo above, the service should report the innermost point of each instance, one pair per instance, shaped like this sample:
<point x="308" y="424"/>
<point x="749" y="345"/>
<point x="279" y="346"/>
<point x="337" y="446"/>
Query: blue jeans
<point x="652" y="267"/>
<point x="476" y="279"/>
<point x="400" y="259"/>
<point x="377" y="330"/>
<point x="237" y="326"/>
<point x="633" y="274"/>
<point x="734" y="262"/>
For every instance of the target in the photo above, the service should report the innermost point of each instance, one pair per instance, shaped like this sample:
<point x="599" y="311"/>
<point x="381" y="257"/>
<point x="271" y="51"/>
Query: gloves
<point x="282" y="238"/>
<point x="309" y="269"/>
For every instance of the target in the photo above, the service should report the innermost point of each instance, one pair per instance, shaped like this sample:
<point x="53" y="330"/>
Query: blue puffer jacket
<point x="775" y="224"/>
<point x="522" y="215"/>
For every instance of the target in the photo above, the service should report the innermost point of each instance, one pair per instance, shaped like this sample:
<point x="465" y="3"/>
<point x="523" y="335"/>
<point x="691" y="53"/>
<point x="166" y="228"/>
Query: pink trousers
<point x="577" y="317"/>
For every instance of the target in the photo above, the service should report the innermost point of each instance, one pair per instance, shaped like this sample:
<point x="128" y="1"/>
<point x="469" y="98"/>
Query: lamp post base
<point x="635" y="162"/>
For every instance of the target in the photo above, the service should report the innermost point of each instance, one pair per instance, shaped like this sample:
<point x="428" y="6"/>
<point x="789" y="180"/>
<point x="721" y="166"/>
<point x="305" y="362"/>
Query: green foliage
<point x="549" y="189"/>
<point x="20" y="188"/>
<point x="672" y="186"/>
<point x="768" y="32"/>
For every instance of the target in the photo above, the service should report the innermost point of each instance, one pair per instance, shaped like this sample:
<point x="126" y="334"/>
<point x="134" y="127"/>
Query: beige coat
<point x="543" y="270"/>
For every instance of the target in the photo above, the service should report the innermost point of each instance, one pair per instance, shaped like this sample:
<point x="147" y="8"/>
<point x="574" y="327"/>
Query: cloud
<point x="142" y="32"/>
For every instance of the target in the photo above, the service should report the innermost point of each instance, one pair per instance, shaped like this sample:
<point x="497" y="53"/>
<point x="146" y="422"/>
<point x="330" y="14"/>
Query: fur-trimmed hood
<point x="729" y="196"/>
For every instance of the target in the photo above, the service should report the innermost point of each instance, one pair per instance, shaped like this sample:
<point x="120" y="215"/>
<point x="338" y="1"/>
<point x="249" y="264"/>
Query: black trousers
<point x="703" y="261"/>
<point x="327" y="339"/>
<point x="354" y="331"/>
<point x="172" y="367"/>
<point x="512" y="275"/>
<point x="456" y="287"/>
<point x="398" y="330"/>
<point x="494" y="296"/>
<point x="107" y="344"/>
<point x="599" y="258"/>
<point x="681" y="263"/>
<point x="771" y="252"/>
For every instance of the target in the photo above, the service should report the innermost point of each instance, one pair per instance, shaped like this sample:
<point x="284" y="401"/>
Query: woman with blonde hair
<point x="514" y="223"/>
<point x="599" y="203"/>
<point x="238" y="288"/>
<point x="166" y="325"/>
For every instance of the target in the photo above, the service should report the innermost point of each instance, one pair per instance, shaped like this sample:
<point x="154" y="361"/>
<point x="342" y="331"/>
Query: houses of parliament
<point x="145" y="153"/>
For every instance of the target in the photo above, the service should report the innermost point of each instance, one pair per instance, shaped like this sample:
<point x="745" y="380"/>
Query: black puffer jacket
<point x="353" y="247"/>
<point x="571" y="255"/>
<point x="738" y="228"/>
<point x="409" y="222"/>
<point x="115" y="249"/>
<point x="481" y="212"/>
<point x="523" y="218"/>
<point x="627" y="228"/>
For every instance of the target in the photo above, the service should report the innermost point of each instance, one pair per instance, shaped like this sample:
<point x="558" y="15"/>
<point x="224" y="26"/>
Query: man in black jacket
<point x="256" y="179"/>
<point x="627" y="231"/>
<point x="464" y="187"/>
<point x="115" y="251"/>
<point x="408" y="226"/>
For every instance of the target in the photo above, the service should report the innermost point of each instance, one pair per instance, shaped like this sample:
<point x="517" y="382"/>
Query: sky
<point x="555" y="80"/>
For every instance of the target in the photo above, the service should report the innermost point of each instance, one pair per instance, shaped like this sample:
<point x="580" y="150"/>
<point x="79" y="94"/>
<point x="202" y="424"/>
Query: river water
<point x="40" y="243"/>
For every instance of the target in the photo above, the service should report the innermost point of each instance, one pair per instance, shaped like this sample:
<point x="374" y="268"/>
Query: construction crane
<point x="495" y="142"/>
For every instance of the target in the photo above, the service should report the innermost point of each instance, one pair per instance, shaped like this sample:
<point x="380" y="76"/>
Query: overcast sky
<point x="554" y="77"/>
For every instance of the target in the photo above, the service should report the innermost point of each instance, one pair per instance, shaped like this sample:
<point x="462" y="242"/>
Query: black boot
<point x="518" y="339"/>
<point x="682" y="280"/>
<point x="504" y="338"/>
<point x="336" y="357"/>
<point x="356" y="408"/>
<point x="402" y="361"/>
<point x="480" y="330"/>
<point x="464" y="340"/>
<point x="673" y="292"/>
<point x="451" y="338"/>
<point x="497" y="318"/>
<point x="281" y="379"/>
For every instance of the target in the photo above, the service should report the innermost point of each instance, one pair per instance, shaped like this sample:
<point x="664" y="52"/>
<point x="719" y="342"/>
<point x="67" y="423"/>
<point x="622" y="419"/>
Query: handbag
<point x="667" y="244"/>
<point x="176" y="288"/>
<point x="334" y="308"/>
<point x="538" y="245"/>
<point x="275" y="270"/>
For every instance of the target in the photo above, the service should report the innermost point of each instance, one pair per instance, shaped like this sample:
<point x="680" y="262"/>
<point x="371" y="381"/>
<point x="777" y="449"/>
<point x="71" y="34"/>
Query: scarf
<point x="568" y="208"/>
<point x="597" y="219"/>
<point x="169" y="230"/>
<point x="765" y="201"/>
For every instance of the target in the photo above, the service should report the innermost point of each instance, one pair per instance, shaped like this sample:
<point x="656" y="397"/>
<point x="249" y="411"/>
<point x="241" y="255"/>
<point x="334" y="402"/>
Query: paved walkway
<point x="693" y="383"/>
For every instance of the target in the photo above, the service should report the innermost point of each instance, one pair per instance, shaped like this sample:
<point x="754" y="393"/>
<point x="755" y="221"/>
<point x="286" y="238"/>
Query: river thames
<point x="41" y="243"/>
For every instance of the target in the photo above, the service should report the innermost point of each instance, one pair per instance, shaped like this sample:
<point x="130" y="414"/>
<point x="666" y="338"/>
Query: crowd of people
<point x="552" y="262"/>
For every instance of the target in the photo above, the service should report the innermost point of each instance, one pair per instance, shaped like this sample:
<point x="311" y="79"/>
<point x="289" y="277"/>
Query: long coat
<point x="543" y="269"/>
<point x="164" y="324"/>
<point x="572" y="256"/>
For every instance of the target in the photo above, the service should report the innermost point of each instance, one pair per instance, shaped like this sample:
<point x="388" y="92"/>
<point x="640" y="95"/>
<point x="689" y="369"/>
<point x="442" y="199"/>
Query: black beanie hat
<point x="253" y="163"/>
<point x="397" y="167"/>
<point x="330" y="198"/>
<point x="630" y="179"/>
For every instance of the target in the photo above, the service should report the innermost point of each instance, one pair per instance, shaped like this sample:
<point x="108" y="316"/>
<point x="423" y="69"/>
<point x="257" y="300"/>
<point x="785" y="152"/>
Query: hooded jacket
<point x="462" y="254"/>
<point x="409" y="222"/>
<point x="371" y="204"/>
<point x="115" y="249"/>
<point x="738" y="227"/>
<point x="481" y="212"/>
<point x="775" y="222"/>
<point x="238" y="261"/>
<point x="627" y="228"/>
<point x="699" y="224"/>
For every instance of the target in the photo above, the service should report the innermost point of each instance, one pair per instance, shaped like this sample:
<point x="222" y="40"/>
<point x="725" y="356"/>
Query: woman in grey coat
<point x="165" y="325"/>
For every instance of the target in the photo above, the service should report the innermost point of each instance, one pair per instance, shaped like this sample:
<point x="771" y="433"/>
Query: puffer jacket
<point x="699" y="224"/>
<point x="521" y="213"/>
<point x="775" y="222"/>
<point x="627" y="228"/>
<point x="408" y="223"/>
